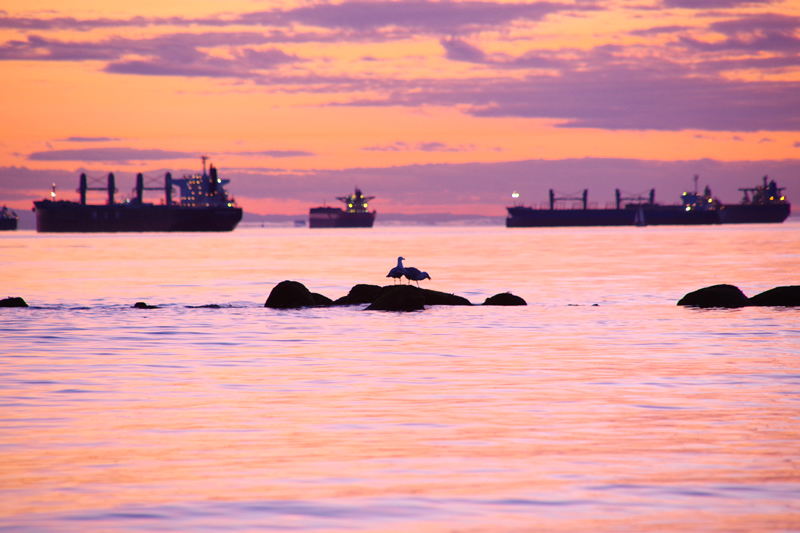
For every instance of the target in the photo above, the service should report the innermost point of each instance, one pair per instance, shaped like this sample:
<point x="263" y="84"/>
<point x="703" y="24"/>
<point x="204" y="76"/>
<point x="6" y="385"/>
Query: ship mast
<point x="204" y="158"/>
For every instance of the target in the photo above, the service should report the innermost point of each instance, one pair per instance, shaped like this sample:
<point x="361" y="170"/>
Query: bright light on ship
<point x="688" y="208"/>
<point x="515" y="194"/>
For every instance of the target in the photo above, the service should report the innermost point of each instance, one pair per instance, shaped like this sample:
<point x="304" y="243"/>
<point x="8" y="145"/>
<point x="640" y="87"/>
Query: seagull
<point x="398" y="271"/>
<point x="416" y="275"/>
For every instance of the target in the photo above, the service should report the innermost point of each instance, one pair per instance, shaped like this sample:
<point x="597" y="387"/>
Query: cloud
<point x="276" y="153"/>
<point x="713" y="4"/>
<point x="452" y="187"/>
<point x="360" y="16"/>
<point x="459" y="50"/>
<point x="109" y="154"/>
<point x="400" y="146"/>
<point x="659" y="30"/>
<point x="617" y="93"/>
<point x="89" y="139"/>
<point x="419" y="15"/>
<point x="797" y="144"/>
<point x="766" y="140"/>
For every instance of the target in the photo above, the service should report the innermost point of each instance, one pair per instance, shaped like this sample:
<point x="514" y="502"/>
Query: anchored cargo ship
<point x="204" y="205"/>
<point x="8" y="219"/>
<point x="694" y="209"/>
<point x="356" y="215"/>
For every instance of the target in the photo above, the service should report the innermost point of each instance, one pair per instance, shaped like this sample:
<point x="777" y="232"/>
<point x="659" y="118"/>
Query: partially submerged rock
<point x="142" y="305"/>
<point x="360" y="294"/>
<point x="399" y="298"/>
<point x="290" y="295"/>
<point x="504" y="298"/>
<point x="786" y="296"/>
<point x="13" y="301"/>
<point x="321" y="300"/>
<point x="726" y="296"/>
<point x="443" y="298"/>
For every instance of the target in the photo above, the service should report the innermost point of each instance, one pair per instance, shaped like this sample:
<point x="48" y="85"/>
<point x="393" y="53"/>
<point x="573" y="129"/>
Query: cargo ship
<point x="204" y="205"/>
<point x="8" y="219"/>
<point x="763" y="203"/>
<point x="694" y="209"/>
<point x="355" y="215"/>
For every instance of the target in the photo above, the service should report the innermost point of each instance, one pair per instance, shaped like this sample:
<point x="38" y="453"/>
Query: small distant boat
<point x="8" y="219"/>
<point x="356" y="215"/>
<point x="639" y="218"/>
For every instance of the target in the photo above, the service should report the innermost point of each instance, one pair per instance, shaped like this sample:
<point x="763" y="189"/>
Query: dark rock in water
<point x="359" y="294"/>
<point x="208" y="306"/>
<point x="290" y="295"/>
<point x="142" y="305"/>
<point x="443" y="298"/>
<point x="321" y="300"/>
<point x="504" y="298"/>
<point x="786" y="296"/>
<point x="716" y="296"/>
<point x="399" y="298"/>
<point x="13" y="301"/>
<point x="431" y="297"/>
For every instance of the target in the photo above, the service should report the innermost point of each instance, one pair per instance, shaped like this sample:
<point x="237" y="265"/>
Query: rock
<point x="786" y="296"/>
<point x="431" y="297"/>
<point x="321" y="300"/>
<point x="289" y="295"/>
<point x="443" y="298"/>
<point x="727" y="296"/>
<point x="142" y="305"/>
<point x="504" y="298"/>
<point x="13" y="301"/>
<point x="359" y="294"/>
<point x="399" y="298"/>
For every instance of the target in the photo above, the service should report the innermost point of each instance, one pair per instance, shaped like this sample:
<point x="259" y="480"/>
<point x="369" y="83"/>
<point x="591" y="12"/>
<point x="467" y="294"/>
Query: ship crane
<point x="651" y="200"/>
<point x="554" y="199"/>
<point x="110" y="187"/>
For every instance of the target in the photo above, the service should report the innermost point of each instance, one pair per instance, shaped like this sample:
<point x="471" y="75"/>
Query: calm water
<point x="629" y="415"/>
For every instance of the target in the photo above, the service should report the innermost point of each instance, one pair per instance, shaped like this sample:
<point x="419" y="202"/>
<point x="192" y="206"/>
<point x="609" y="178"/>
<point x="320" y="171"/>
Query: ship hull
<point x="526" y="217"/>
<point x="330" y="217"/>
<point x="72" y="217"/>
<point x="755" y="214"/>
<point x="7" y="224"/>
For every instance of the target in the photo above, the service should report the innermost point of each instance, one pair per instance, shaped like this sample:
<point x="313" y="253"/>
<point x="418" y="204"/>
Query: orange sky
<point x="307" y="86"/>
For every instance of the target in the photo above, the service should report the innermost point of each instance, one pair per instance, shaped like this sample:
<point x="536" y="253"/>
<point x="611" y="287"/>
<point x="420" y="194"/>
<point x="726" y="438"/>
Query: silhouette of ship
<point x="8" y="219"/>
<point x="356" y="215"/>
<point x="204" y="205"/>
<point x="766" y="205"/>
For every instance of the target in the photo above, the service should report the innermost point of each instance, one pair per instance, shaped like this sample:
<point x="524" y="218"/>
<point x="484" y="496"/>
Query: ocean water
<point x="600" y="406"/>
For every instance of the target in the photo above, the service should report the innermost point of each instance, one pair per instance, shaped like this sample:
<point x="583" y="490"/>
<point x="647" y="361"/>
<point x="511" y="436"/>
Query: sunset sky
<point x="429" y="106"/>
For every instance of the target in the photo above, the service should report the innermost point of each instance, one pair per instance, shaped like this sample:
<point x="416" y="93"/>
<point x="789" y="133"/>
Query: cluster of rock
<point x="731" y="297"/>
<point x="294" y="295"/>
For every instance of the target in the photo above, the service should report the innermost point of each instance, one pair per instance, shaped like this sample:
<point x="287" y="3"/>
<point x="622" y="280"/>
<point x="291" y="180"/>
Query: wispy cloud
<point x="275" y="153"/>
<point x="714" y="4"/>
<point x="89" y="139"/>
<point x="401" y="146"/>
<point x="109" y="154"/>
<point x="364" y="16"/>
